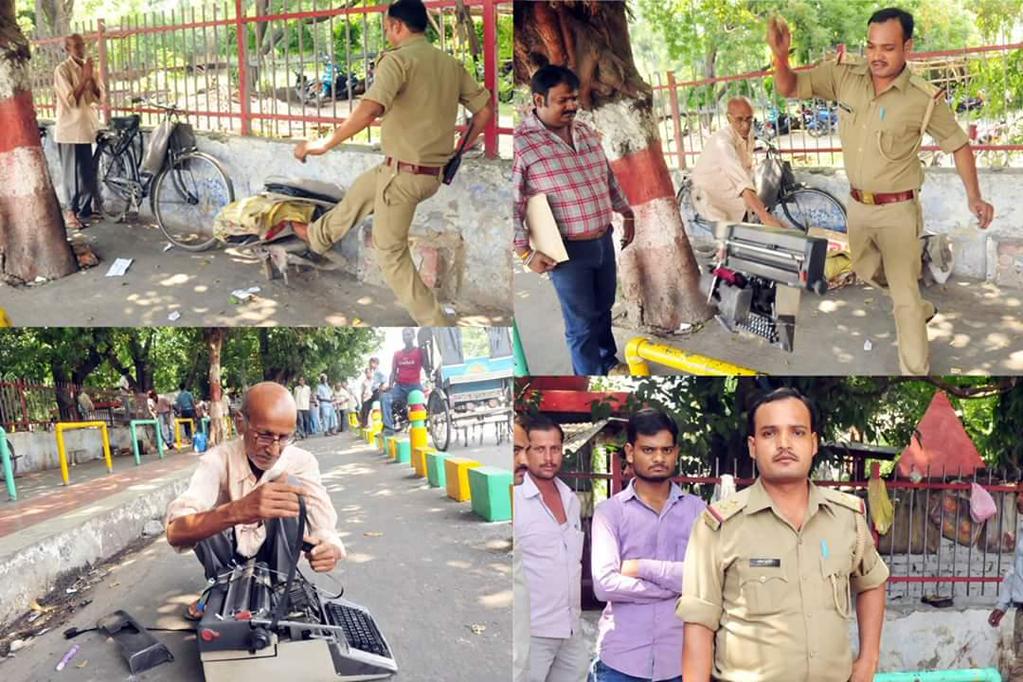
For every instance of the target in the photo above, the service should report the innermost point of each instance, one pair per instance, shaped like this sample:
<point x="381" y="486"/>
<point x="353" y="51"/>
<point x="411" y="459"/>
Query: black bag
<point x="451" y="167"/>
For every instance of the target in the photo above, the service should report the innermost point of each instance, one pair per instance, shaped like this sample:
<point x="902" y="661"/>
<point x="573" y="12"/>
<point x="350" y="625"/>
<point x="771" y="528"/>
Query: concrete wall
<point x="918" y="637"/>
<point x="37" y="450"/>
<point x="995" y="254"/>
<point x="461" y="236"/>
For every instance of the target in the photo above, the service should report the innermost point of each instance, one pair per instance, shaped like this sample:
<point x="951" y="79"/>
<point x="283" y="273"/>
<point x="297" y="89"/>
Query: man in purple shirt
<point x="639" y="539"/>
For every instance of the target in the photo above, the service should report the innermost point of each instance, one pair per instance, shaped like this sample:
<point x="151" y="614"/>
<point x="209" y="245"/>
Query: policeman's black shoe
<point x="932" y="315"/>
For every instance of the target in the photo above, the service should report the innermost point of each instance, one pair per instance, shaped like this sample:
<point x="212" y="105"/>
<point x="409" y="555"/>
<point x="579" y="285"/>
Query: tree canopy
<point x="703" y="38"/>
<point x="163" y="357"/>
<point x="876" y="410"/>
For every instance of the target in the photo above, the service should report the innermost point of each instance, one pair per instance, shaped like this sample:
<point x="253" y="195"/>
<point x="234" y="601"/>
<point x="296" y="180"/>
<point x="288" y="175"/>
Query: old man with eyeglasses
<point x="243" y="499"/>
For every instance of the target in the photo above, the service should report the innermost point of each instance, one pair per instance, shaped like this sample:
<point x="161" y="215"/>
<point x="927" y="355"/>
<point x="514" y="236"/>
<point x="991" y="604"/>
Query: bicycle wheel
<point x="811" y="207"/>
<point x="114" y="179"/>
<point x="439" y="420"/>
<point x="696" y="226"/>
<point x="187" y="195"/>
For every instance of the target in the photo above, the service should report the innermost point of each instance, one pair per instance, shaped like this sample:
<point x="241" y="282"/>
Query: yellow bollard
<point x="178" y="421"/>
<point x="639" y="350"/>
<point x="62" y="452"/>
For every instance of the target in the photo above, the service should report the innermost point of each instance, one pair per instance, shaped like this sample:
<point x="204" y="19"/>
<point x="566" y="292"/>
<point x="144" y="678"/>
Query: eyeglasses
<point x="741" y="119"/>
<point x="267" y="439"/>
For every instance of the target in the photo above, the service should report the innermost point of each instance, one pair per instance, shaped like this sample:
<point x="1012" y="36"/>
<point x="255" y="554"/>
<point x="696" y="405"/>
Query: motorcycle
<point x="334" y="84"/>
<point x="821" y="119"/>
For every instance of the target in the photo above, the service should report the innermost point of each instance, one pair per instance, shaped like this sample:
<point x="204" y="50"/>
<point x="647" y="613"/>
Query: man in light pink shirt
<point x="242" y="501"/>
<point x="549" y="536"/>
<point x="723" y="187"/>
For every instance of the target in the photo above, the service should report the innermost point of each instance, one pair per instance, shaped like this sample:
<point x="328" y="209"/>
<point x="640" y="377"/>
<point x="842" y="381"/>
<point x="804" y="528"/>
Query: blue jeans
<point x="585" y="285"/>
<point x="399" y="392"/>
<point x="327" y="417"/>
<point x="314" y="421"/>
<point x="601" y="672"/>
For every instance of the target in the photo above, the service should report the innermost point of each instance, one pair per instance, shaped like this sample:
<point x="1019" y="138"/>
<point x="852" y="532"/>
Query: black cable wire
<point x="296" y="552"/>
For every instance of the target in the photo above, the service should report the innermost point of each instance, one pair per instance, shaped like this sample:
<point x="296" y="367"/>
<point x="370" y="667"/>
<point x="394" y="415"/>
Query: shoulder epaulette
<point x="846" y="500"/>
<point x="846" y="59"/>
<point x="717" y="513"/>
<point x="928" y="88"/>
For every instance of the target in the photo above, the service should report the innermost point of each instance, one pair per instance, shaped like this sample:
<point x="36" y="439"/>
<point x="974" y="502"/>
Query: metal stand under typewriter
<point x="316" y="639"/>
<point x="757" y="285"/>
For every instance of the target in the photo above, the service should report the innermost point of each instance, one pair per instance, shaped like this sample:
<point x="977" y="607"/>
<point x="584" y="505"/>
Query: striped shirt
<point x="580" y="186"/>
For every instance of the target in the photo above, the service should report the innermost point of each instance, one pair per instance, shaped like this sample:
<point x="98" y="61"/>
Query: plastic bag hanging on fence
<point x="882" y="514"/>
<point x="982" y="505"/>
<point x="725" y="488"/>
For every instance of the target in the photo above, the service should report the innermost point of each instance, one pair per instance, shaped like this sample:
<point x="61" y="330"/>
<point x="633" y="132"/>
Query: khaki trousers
<point x="884" y="242"/>
<point x="391" y="198"/>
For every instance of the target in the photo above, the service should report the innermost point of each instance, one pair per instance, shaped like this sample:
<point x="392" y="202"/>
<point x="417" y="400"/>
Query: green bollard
<point x="5" y="455"/>
<point x="135" y="442"/>
<point x="521" y="368"/>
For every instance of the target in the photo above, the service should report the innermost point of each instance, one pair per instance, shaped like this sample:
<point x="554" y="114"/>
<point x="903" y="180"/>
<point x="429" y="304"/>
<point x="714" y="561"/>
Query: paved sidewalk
<point x="197" y="288"/>
<point x="41" y="495"/>
<point x="978" y="329"/>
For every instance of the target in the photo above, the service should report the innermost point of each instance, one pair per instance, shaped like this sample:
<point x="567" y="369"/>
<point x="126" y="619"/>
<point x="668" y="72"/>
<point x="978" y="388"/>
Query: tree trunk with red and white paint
<point x="33" y="242"/>
<point x="658" y="273"/>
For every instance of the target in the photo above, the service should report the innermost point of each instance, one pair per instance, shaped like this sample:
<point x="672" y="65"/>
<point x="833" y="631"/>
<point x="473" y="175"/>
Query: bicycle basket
<point x="183" y="138"/>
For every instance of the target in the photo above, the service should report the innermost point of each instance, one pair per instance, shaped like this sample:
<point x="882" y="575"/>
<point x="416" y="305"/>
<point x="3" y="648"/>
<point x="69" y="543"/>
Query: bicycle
<point x="795" y="204"/>
<point x="186" y="187"/>
<point x="438" y="416"/>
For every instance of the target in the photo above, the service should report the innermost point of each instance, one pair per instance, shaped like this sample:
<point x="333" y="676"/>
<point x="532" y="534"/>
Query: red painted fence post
<point x="104" y="71"/>
<point x="675" y="115"/>
<point x="243" y="66"/>
<point x="490" y="80"/>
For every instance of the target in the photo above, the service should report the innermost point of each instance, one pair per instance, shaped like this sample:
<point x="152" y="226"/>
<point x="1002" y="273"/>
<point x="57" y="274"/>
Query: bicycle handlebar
<point x="170" y="108"/>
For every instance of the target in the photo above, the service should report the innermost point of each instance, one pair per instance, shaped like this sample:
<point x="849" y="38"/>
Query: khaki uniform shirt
<point x="779" y="599"/>
<point x="721" y="174"/>
<point x="881" y="134"/>
<point x="77" y="122"/>
<point x="420" y="88"/>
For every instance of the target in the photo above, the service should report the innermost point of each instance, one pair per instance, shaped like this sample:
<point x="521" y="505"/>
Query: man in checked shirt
<point x="557" y="156"/>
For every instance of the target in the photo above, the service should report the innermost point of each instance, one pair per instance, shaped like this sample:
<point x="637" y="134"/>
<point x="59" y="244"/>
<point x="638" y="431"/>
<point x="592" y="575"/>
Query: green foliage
<point x="877" y="410"/>
<point x="162" y="357"/>
<point x="702" y="38"/>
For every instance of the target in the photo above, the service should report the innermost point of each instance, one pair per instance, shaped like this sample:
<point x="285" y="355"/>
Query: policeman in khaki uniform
<point x="417" y="89"/>
<point x="768" y="571"/>
<point x="883" y="112"/>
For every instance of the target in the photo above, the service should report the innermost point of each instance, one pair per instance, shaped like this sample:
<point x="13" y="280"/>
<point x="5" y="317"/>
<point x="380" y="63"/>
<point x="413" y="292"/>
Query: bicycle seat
<point x="304" y="188"/>
<point x="125" y="122"/>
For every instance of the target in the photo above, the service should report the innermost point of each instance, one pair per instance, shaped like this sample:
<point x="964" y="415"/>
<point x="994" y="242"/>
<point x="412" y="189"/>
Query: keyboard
<point x="360" y="630"/>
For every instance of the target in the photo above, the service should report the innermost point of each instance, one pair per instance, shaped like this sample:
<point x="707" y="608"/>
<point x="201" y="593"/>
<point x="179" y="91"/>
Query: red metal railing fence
<point x="189" y="56"/>
<point x="968" y="564"/>
<point x="994" y="119"/>
<point x="27" y="406"/>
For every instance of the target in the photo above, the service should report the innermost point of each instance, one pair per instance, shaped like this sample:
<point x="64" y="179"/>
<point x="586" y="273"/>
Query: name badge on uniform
<point x="845" y="107"/>
<point x="765" y="563"/>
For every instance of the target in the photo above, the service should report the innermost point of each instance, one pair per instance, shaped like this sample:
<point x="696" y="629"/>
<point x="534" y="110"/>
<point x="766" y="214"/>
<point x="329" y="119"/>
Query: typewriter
<point x="246" y="631"/>
<point x="757" y="285"/>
